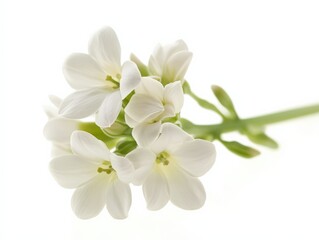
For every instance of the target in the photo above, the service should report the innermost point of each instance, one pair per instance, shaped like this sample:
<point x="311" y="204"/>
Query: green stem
<point x="214" y="131"/>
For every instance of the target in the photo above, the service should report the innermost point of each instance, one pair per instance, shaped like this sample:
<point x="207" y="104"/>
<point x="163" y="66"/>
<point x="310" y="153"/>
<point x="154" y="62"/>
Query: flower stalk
<point x="213" y="131"/>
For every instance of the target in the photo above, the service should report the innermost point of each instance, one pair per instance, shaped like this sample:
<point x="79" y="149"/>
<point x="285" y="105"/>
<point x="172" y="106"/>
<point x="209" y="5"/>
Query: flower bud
<point x="240" y="149"/>
<point x="117" y="129"/>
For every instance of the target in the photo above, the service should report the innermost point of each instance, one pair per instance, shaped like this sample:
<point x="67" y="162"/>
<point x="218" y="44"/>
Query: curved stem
<point x="215" y="130"/>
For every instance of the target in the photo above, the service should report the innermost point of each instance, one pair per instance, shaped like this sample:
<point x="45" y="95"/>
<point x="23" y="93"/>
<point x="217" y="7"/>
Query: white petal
<point x="87" y="146"/>
<point x="174" y="95"/>
<point x="82" y="103"/>
<point x="154" y="67"/>
<point x="109" y="110"/>
<point x="106" y="50"/>
<point x="145" y="134"/>
<point x="143" y="161"/>
<point x="157" y="61"/>
<point x="142" y="108"/>
<point x="130" y="121"/>
<point x="151" y="87"/>
<point x="131" y="77"/>
<point x="175" y="47"/>
<point x="170" y="137"/>
<point x="155" y="189"/>
<point x="186" y="191"/>
<point x="177" y="66"/>
<point x="59" y="150"/>
<point x="118" y="199"/>
<point x="81" y="71"/>
<point x="71" y="171"/>
<point x="123" y="167"/>
<point x="60" y="129"/>
<point x="169" y="111"/>
<point x="196" y="157"/>
<point x="89" y="199"/>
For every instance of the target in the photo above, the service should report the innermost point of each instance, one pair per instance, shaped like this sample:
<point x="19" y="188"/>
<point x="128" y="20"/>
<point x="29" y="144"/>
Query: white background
<point x="265" y="53"/>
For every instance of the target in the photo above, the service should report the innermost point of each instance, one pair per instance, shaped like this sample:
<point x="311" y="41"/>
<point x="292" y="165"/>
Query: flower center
<point x="163" y="158"/>
<point x="106" y="167"/>
<point x="115" y="82"/>
<point x="167" y="113"/>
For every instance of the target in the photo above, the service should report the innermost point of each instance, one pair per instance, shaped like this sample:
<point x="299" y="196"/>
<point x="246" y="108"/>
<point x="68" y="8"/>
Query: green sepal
<point x="124" y="147"/>
<point x="140" y="65"/>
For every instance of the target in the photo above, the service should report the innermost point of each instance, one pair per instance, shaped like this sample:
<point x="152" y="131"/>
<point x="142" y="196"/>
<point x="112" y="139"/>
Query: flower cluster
<point x="136" y="136"/>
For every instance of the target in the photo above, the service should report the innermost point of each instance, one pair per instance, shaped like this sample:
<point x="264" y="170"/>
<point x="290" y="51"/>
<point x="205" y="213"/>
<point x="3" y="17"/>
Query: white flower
<point x="100" y="80"/>
<point x="99" y="176"/>
<point x="170" y="62"/>
<point x="169" y="167"/>
<point x="151" y="104"/>
<point x="58" y="129"/>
